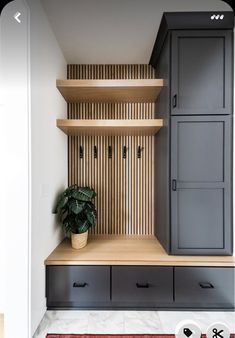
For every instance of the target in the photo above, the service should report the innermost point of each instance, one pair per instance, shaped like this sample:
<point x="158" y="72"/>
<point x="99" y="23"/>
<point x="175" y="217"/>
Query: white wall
<point x="15" y="171"/>
<point x="48" y="150"/>
<point x="114" y="31"/>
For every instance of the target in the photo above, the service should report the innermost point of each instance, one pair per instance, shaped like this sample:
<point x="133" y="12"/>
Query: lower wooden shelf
<point x="110" y="127"/>
<point x="128" y="250"/>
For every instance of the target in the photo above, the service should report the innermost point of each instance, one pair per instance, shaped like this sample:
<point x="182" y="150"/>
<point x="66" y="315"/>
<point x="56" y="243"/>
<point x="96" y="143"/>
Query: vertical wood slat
<point x="124" y="187"/>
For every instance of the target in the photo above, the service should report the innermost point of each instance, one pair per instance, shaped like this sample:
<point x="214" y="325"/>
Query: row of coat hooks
<point x="110" y="152"/>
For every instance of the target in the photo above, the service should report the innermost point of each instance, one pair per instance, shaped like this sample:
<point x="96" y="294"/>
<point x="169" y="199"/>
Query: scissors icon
<point x="217" y="333"/>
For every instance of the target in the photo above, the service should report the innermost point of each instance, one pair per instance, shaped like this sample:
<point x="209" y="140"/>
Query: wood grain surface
<point x="119" y="90"/>
<point x="128" y="250"/>
<point x="124" y="186"/>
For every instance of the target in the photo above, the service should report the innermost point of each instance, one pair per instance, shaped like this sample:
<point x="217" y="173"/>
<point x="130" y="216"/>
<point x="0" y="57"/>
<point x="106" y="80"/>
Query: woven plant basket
<point x="78" y="241"/>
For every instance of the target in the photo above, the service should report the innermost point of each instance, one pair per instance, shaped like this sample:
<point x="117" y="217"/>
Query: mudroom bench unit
<point x="132" y="272"/>
<point x="155" y="143"/>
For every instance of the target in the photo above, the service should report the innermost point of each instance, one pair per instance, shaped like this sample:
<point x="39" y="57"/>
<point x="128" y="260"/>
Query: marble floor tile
<point x="62" y="324"/>
<point x="142" y="322"/>
<point x="151" y="315"/>
<point x="207" y="318"/>
<point x="169" y="319"/>
<point x="73" y="314"/>
<point x="126" y="321"/>
<point x="42" y="328"/>
<point x="68" y="326"/>
<point x="143" y="325"/>
<point x="106" y="322"/>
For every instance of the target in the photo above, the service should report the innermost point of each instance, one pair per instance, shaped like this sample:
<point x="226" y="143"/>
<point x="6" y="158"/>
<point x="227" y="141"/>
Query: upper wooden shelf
<point x="110" y="127"/>
<point x="128" y="250"/>
<point x="139" y="90"/>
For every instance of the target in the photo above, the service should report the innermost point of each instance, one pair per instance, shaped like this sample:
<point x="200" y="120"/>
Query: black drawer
<point x="147" y="286"/>
<point x="204" y="287"/>
<point x="77" y="286"/>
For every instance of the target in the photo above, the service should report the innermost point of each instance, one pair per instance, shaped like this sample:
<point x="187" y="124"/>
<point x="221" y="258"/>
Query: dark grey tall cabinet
<point x="193" y="53"/>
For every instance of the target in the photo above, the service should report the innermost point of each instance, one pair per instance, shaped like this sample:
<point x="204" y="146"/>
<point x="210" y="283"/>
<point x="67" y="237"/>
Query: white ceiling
<point x="113" y="31"/>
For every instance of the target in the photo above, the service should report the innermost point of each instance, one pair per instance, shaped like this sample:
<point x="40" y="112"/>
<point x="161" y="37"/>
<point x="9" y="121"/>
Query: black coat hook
<point x="110" y="152"/>
<point x="124" y="152"/>
<point x="81" y="152"/>
<point x="95" y="152"/>
<point x="139" y="151"/>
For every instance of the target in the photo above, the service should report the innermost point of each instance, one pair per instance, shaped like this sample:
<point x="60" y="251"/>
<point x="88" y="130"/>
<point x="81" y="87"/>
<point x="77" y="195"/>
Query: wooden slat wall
<point x="124" y="186"/>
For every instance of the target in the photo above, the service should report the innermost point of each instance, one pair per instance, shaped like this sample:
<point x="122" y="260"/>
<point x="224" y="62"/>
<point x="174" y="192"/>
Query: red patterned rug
<point x="51" y="335"/>
<point x="54" y="335"/>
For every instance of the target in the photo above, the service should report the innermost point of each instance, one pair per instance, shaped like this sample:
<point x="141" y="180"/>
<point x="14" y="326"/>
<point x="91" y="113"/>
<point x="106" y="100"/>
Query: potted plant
<point x="77" y="213"/>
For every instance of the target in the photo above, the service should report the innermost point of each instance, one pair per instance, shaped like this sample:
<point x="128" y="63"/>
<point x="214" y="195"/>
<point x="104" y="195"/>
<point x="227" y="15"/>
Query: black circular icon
<point x="187" y="332"/>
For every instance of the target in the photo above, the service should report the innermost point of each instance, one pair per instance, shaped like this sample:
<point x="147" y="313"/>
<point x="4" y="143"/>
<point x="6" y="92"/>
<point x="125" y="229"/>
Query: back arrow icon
<point x="16" y="16"/>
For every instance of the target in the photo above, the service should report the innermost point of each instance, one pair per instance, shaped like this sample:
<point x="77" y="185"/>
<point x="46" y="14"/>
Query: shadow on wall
<point x="1" y="325"/>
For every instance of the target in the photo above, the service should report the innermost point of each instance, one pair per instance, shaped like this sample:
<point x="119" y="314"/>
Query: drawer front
<point x="77" y="285"/>
<point x="204" y="286"/>
<point x="145" y="285"/>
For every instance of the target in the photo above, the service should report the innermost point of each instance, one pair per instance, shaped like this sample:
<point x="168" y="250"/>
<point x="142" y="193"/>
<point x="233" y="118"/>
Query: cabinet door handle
<point x="174" y="101"/>
<point x="143" y="286"/>
<point x="206" y="285"/>
<point x="174" y="185"/>
<point x="79" y="285"/>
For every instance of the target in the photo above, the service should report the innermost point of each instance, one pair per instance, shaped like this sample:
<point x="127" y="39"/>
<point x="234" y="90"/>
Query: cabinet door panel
<point x="201" y="154"/>
<point x="201" y="185"/>
<point x="201" y="72"/>
<point x="77" y="286"/>
<point x="204" y="287"/>
<point x="142" y="285"/>
<point x="200" y="218"/>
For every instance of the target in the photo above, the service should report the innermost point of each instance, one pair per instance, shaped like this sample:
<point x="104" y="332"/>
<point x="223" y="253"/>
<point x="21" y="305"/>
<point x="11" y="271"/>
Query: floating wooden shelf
<point x="128" y="250"/>
<point x="110" y="127"/>
<point x="141" y="90"/>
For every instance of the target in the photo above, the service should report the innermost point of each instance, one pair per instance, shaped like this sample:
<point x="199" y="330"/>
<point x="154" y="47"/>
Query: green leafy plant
<point x="76" y="210"/>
